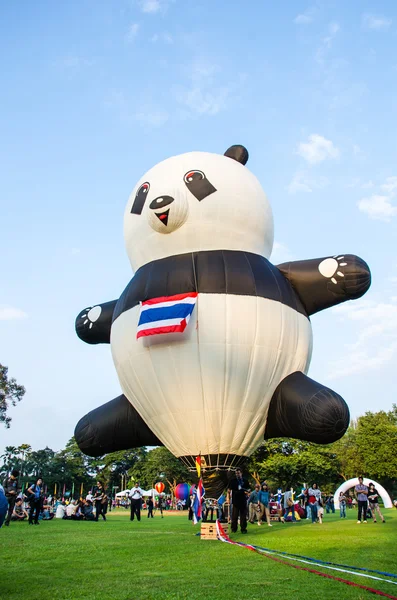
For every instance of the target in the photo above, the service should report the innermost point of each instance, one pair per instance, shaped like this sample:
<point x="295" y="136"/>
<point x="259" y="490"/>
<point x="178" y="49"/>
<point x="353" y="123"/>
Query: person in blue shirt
<point x="35" y="493"/>
<point x="263" y="503"/>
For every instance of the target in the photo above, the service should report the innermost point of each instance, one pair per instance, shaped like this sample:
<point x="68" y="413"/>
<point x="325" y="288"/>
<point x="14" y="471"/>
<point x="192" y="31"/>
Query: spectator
<point x="373" y="497"/>
<point x="253" y="505"/>
<point x="35" y="495"/>
<point x="3" y="506"/>
<point x="11" y="489"/>
<point x="19" y="513"/>
<point x="149" y="504"/>
<point x="289" y="505"/>
<point x="100" y="499"/>
<point x="136" y="502"/>
<point x="237" y="491"/>
<point x="314" y="497"/>
<point x="88" y="511"/>
<point x="263" y="504"/>
<point x="361" y="492"/>
<point x="71" y="510"/>
<point x="60" y="510"/>
<point x="342" y="505"/>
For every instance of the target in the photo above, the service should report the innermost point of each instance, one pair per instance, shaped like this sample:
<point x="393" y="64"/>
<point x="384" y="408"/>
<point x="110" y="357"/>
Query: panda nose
<point x="161" y="202"/>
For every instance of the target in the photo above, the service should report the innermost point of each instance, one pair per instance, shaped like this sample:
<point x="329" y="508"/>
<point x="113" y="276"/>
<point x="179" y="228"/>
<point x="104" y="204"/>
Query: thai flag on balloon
<point x="198" y="501"/>
<point x="167" y="314"/>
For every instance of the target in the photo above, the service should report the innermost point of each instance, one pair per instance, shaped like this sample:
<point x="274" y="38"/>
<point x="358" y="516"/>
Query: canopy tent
<point x="353" y="482"/>
<point x="145" y="493"/>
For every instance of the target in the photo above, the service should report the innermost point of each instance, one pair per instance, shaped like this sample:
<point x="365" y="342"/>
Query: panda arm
<point x="324" y="282"/>
<point x="94" y="322"/>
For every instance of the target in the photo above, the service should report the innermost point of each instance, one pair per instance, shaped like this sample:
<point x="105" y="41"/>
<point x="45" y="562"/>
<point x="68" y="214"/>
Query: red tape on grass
<point x="225" y="538"/>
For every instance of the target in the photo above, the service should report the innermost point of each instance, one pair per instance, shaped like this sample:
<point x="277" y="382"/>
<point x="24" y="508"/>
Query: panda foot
<point x="304" y="409"/>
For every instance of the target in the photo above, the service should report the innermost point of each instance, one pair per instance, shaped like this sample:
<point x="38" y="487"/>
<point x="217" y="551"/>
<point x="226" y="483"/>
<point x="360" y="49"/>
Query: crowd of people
<point x="239" y="504"/>
<point x="261" y="505"/>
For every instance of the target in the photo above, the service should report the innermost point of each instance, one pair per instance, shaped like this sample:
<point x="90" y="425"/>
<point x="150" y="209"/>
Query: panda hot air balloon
<point x="212" y="342"/>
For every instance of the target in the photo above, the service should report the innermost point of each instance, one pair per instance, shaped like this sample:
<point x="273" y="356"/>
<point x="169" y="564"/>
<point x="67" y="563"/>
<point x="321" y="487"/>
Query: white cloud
<point x="10" y="313"/>
<point x="303" y="182"/>
<point x="368" y="185"/>
<point x="317" y="149"/>
<point x="326" y="42"/>
<point x="377" y="207"/>
<point x="375" y="22"/>
<point x="162" y="37"/>
<point x="148" y="115"/>
<point x="132" y="32"/>
<point x="376" y="341"/>
<point x="306" y="17"/>
<point x="203" y="95"/>
<point x="152" y="6"/>
<point x="390" y="186"/>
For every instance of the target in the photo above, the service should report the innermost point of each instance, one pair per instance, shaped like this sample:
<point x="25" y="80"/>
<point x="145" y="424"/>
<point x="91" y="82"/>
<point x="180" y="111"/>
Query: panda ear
<point x="237" y="152"/>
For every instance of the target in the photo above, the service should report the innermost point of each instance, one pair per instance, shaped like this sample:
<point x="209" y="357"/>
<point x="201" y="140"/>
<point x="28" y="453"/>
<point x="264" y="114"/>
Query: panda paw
<point x="332" y="268"/>
<point x="90" y="315"/>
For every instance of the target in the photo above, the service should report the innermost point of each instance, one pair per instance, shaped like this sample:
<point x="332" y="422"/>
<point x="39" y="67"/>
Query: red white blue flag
<point x="167" y="314"/>
<point x="198" y="502"/>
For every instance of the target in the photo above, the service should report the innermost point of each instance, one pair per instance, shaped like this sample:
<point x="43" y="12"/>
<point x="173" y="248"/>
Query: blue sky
<point x="95" y="93"/>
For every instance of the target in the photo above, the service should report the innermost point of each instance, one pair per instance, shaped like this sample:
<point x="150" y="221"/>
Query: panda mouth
<point x="163" y="216"/>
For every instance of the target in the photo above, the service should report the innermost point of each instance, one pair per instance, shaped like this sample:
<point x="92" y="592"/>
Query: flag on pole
<point x="198" y="501"/>
<point x="198" y="465"/>
<point x="81" y="489"/>
<point x="166" y="314"/>
<point x="72" y="489"/>
<point x="55" y="489"/>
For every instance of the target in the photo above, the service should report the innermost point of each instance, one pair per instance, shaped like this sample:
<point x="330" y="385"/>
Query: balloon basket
<point x="208" y="531"/>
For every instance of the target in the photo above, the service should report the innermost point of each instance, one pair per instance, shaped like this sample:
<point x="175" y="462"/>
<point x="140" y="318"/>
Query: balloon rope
<point x="223" y="537"/>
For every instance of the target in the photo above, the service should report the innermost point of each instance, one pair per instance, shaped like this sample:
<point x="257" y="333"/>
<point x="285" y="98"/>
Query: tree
<point x="10" y="393"/>
<point x="160" y="464"/>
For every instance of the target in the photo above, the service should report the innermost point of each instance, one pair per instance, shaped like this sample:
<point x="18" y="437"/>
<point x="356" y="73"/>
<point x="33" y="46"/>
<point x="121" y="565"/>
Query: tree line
<point x="368" y="448"/>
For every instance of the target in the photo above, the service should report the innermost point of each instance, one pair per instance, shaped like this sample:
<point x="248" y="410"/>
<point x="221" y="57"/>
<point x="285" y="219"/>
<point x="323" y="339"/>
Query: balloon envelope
<point x="159" y="487"/>
<point x="182" y="491"/>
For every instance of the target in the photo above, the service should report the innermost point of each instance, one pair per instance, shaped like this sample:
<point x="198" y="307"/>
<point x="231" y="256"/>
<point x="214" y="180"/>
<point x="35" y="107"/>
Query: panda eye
<point x="194" y="176"/>
<point x="140" y="198"/>
<point x="197" y="183"/>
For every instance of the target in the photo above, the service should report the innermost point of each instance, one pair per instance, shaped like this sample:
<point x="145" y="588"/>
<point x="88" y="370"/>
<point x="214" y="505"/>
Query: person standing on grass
<point x="136" y="502"/>
<point x="11" y="489"/>
<point x="253" y="504"/>
<point x="263" y="504"/>
<point x="361" y="492"/>
<point x="149" y="504"/>
<point x="314" y="497"/>
<point x="35" y="494"/>
<point x="342" y="505"/>
<point x="373" y="497"/>
<point x="100" y="500"/>
<point x="237" y="492"/>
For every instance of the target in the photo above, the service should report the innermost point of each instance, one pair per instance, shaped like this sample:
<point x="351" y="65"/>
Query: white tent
<point x="145" y="493"/>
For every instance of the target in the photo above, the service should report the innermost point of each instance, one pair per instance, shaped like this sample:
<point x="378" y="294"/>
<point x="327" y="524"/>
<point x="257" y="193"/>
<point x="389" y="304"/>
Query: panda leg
<point x="304" y="409"/>
<point x="113" y="426"/>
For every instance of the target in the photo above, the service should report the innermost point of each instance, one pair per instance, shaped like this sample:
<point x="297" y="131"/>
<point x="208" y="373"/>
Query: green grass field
<point x="164" y="558"/>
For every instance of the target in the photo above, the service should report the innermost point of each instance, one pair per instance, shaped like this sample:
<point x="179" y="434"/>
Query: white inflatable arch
<point x="346" y="485"/>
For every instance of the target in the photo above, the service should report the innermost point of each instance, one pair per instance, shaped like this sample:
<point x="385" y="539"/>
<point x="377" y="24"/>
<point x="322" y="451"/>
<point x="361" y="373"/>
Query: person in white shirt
<point x="136" y="501"/>
<point x="61" y="510"/>
<point x="89" y="496"/>
<point x="71" y="509"/>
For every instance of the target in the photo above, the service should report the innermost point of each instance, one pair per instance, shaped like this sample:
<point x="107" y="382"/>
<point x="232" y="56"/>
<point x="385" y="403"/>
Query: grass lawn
<point x="165" y="559"/>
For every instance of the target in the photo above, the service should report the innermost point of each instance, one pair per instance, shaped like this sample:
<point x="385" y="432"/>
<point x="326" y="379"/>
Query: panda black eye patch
<point x="197" y="183"/>
<point x="140" y="198"/>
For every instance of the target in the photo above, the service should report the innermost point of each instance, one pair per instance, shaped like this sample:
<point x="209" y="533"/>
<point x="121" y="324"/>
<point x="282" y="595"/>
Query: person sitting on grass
<point x="88" y="511"/>
<point x="19" y="513"/>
